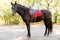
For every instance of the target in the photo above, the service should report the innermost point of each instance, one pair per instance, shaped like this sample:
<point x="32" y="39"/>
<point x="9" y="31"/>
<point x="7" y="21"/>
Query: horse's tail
<point x="51" y="24"/>
<point x="50" y="28"/>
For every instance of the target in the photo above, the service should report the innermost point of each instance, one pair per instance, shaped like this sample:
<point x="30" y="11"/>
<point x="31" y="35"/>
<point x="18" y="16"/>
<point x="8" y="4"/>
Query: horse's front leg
<point x="28" y="29"/>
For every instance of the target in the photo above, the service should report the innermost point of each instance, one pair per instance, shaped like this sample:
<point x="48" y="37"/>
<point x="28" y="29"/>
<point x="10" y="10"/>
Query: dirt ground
<point x="15" y="32"/>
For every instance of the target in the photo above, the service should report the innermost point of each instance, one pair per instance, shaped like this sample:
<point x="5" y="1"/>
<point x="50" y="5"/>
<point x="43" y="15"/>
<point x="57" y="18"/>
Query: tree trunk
<point x="55" y="19"/>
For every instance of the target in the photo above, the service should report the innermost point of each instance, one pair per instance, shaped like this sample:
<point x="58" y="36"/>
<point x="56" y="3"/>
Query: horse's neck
<point x="20" y="12"/>
<point x="23" y="12"/>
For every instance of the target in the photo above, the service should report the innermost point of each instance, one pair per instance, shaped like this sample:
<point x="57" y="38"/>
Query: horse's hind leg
<point x="45" y="27"/>
<point x="45" y="32"/>
<point x="48" y="32"/>
<point x="49" y="26"/>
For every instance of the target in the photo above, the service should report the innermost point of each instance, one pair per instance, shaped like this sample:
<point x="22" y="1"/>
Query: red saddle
<point x="38" y="13"/>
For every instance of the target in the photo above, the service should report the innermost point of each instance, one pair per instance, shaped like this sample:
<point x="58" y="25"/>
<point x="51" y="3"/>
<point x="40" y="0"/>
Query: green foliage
<point x="14" y="22"/>
<point x="58" y="20"/>
<point x="56" y="13"/>
<point x="9" y="19"/>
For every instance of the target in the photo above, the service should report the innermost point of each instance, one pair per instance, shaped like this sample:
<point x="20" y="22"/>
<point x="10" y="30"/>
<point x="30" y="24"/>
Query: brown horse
<point x="24" y="13"/>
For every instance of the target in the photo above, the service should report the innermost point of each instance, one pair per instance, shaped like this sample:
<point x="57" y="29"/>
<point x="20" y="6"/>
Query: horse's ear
<point x="11" y="3"/>
<point x="15" y="2"/>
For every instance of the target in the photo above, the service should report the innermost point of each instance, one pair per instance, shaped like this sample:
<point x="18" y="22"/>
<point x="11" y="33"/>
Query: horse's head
<point x="14" y="8"/>
<point x="20" y="9"/>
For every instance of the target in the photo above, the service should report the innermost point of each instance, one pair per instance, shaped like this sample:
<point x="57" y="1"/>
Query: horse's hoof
<point x="29" y="36"/>
<point x="44" y="34"/>
<point x="47" y="34"/>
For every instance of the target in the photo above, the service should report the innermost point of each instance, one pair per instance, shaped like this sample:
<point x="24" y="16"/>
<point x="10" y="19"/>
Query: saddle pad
<point x="32" y="11"/>
<point x="38" y="13"/>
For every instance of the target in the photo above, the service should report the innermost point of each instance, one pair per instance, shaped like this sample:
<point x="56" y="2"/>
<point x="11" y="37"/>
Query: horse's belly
<point x="38" y="19"/>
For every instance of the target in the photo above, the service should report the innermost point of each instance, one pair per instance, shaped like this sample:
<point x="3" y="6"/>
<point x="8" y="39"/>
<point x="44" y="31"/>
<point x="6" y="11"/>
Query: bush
<point x="16" y="22"/>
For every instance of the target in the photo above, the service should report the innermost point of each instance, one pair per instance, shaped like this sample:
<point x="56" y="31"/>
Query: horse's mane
<point x="22" y="6"/>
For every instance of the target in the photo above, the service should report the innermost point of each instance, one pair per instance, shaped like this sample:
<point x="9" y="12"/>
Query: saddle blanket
<point x="36" y="13"/>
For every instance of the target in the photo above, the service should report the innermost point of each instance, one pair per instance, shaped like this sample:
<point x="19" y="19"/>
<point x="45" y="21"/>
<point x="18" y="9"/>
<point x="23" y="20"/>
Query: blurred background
<point x="6" y="17"/>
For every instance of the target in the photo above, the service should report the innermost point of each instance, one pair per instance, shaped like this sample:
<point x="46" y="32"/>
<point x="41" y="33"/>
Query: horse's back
<point x="46" y="11"/>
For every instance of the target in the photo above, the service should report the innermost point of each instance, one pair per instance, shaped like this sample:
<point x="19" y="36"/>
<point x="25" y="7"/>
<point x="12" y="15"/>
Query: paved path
<point x="20" y="32"/>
